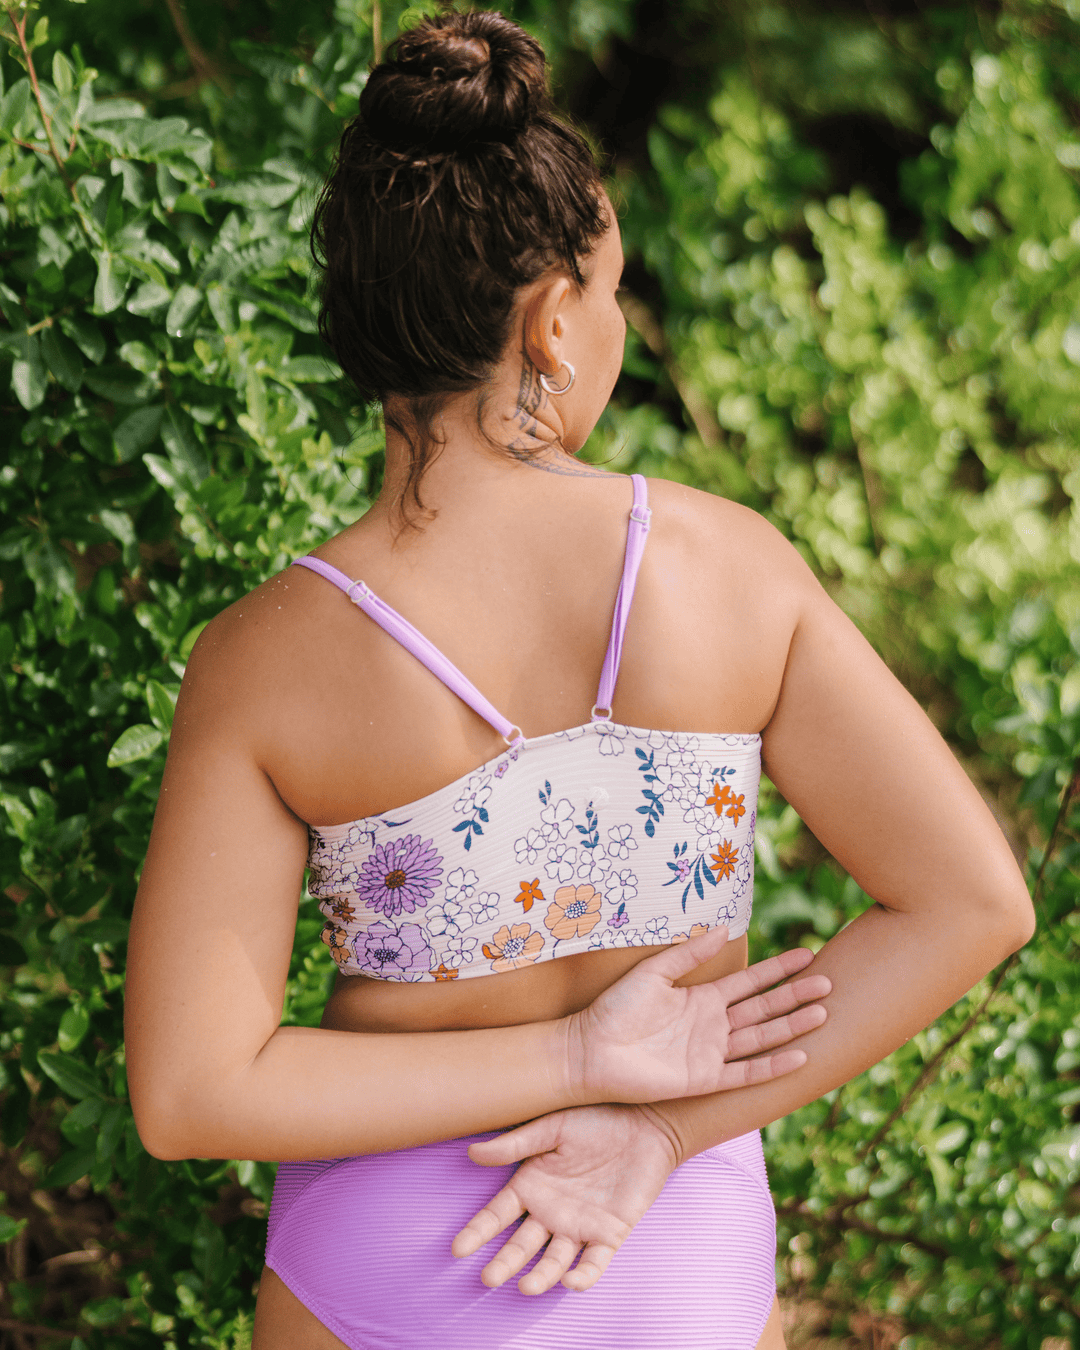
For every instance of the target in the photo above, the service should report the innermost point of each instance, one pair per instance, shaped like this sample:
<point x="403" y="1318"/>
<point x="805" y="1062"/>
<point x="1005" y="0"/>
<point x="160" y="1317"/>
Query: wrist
<point x="574" y="1064"/>
<point x="664" y="1116"/>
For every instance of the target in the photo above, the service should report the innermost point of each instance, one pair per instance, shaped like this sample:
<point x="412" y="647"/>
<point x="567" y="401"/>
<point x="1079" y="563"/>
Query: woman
<point x="472" y="262"/>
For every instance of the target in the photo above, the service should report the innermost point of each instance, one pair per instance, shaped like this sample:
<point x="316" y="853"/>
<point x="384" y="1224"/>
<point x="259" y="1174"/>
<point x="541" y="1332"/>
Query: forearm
<point x="892" y="973"/>
<point x="314" y="1093"/>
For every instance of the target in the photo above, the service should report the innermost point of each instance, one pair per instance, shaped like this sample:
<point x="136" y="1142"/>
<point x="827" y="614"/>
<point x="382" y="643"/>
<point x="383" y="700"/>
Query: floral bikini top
<point x="602" y="835"/>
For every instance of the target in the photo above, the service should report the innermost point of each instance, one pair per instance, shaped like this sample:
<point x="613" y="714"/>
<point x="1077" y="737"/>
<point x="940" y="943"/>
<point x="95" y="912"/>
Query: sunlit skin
<point x="296" y="709"/>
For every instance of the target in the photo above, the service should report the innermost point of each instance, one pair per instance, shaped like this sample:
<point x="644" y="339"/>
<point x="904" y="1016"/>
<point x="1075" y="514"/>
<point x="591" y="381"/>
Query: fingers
<point x="777" y="1001"/>
<point x="504" y="1209"/>
<point x="748" y="1071"/>
<point x="517" y="1252"/>
<point x="535" y="1136"/>
<point x="765" y="1035"/>
<point x="742" y="983"/>
<point x="684" y="957"/>
<point x="595" y="1259"/>
<point x="552" y="1266"/>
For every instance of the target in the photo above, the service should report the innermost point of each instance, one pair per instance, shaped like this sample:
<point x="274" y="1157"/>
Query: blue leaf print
<point x="482" y="813"/>
<point x="650" y="828"/>
<point x="463" y="826"/>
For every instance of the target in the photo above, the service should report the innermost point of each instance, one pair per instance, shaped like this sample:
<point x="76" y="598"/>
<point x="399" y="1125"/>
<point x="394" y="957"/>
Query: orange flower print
<point x="340" y="907"/>
<point x="574" y="912"/>
<point x="530" y="891"/>
<point x="444" y="972"/>
<point x="694" y="932"/>
<point x="736" y="810"/>
<point x="513" y="947"/>
<point x="725" y="858"/>
<point x="337" y="940"/>
<point x="719" y="798"/>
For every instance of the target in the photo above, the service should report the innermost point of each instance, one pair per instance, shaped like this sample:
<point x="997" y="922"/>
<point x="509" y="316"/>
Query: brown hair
<point x="454" y="186"/>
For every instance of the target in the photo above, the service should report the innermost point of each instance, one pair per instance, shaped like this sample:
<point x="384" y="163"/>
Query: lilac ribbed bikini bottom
<point x="364" y="1243"/>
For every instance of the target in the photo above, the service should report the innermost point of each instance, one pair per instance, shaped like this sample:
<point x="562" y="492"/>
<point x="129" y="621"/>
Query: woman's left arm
<point x="852" y="751"/>
<point x="866" y="770"/>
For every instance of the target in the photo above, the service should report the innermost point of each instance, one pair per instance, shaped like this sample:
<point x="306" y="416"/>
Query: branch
<point x="1072" y="789"/>
<point x="641" y="320"/>
<point x="29" y="1329"/>
<point x="20" y="33"/>
<point x="204" y="66"/>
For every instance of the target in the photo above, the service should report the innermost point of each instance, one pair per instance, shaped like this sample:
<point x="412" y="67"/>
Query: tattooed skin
<point x="531" y="397"/>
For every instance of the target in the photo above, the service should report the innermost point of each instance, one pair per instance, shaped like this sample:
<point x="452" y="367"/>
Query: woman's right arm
<point x="211" y="1071"/>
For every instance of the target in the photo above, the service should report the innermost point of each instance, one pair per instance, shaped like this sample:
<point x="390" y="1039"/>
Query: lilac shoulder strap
<point x="636" y="531"/>
<point x="414" y="641"/>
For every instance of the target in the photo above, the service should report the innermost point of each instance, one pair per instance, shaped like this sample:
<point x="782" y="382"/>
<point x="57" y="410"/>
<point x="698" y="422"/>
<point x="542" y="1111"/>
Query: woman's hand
<point x="589" y="1175"/>
<point x="644" y="1040"/>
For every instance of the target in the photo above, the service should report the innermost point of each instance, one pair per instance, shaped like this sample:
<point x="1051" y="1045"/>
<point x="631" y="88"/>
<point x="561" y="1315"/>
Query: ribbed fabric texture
<point x="364" y="1243"/>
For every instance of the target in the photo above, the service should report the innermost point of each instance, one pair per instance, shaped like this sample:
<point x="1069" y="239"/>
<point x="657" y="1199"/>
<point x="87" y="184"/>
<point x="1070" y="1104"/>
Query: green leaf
<point x="310" y="370"/>
<point x="135" y="743"/>
<point x="71" y="1076"/>
<point x="186" y="304"/>
<point x="86" y="335"/>
<point x="162" y="704"/>
<point x="74" y="1025"/>
<point x="10" y="1227"/>
<point x="102" y="1312"/>
<point x="254" y="191"/>
<point x="63" y="73"/>
<point x="192" y="204"/>
<point x="189" y="639"/>
<point x="138" y="430"/>
<point x="112" y="282"/>
<point x="110" y="1130"/>
<point x="120" y="384"/>
<point x="62" y="357"/>
<point x="19" y="815"/>
<point x="28" y="380"/>
<point x="185" y="452"/>
<point x="13" y="105"/>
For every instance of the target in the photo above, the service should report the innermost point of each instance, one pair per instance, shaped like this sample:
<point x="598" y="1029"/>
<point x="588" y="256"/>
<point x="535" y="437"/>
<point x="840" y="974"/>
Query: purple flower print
<point x="619" y="918"/>
<point x="399" y="875"/>
<point x="683" y="868"/>
<point x="393" y="953"/>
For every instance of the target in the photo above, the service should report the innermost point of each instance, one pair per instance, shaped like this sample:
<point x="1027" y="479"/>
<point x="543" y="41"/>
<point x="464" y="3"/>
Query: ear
<point x="543" y="324"/>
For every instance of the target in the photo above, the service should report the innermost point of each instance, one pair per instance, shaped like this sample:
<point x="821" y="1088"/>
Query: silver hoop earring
<point x="569" y="383"/>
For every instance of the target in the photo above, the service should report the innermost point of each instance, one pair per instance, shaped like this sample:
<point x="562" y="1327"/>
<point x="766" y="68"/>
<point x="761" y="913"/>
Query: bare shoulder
<point x="254" y="651"/>
<point x="729" y="532"/>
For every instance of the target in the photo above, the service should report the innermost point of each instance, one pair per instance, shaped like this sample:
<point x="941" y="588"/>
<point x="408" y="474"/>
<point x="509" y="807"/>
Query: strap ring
<point x="569" y="383"/>
<point x="518" y="739"/>
<point x="600" y="719"/>
<point x="365" y="591"/>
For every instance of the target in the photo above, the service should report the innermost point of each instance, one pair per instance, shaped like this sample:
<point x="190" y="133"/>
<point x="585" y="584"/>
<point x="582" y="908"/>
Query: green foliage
<point x="888" y="368"/>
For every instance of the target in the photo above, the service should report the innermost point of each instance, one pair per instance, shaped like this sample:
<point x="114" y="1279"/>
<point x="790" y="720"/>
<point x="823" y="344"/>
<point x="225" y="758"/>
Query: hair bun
<point x="454" y="81"/>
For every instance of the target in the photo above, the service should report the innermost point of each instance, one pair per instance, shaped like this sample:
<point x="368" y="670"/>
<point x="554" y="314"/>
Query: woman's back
<point x="515" y="582"/>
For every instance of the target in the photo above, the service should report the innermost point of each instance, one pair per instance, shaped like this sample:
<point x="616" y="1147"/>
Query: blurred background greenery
<point x="853" y="233"/>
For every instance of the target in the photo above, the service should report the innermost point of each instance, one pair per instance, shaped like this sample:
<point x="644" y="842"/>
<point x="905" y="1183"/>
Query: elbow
<point x="1010" y="924"/>
<point x="1024" y="924"/>
<point x="170" y="1125"/>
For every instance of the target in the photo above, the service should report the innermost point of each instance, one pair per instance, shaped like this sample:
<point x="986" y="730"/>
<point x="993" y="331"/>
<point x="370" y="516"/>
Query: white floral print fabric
<point x="599" y="836"/>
